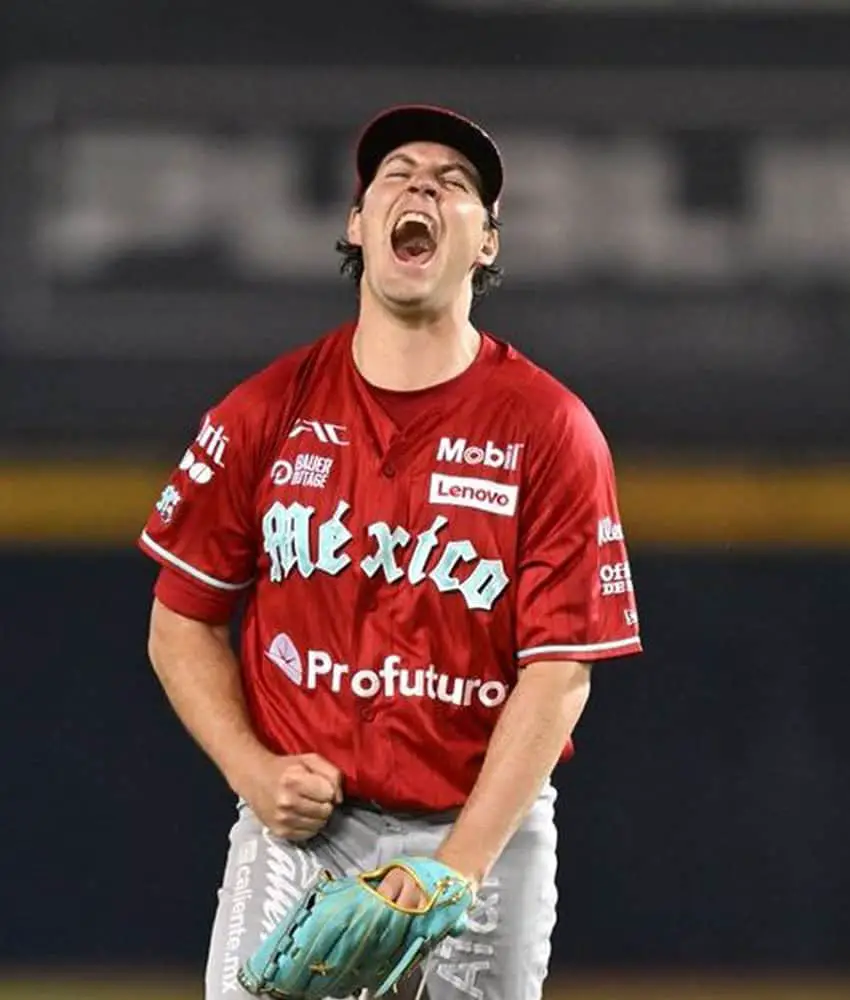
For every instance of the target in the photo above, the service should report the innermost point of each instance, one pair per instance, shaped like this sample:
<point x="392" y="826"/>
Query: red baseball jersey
<point x="396" y="579"/>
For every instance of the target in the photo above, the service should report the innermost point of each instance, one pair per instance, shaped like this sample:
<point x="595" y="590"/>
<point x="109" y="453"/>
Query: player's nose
<point x="423" y="186"/>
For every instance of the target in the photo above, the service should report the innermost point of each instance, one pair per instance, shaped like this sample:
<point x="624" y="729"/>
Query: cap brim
<point x="398" y="126"/>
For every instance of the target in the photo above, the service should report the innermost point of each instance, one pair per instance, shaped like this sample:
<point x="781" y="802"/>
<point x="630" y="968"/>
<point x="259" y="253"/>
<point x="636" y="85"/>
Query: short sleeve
<point x="575" y="593"/>
<point x="201" y="527"/>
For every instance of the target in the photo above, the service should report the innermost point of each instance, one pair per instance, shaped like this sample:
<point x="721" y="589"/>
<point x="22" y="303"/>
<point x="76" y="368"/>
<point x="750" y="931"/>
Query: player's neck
<point x="409" y="353"/>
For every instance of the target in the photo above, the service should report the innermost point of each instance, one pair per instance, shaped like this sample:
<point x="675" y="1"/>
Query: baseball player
<point x="419" y="530"/>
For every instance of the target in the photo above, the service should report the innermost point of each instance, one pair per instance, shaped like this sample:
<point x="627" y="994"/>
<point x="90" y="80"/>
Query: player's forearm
<point x="200" y="674"/>
<point x="538" y="718"/>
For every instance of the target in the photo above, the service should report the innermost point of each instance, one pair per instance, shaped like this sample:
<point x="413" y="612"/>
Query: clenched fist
<point x="294" y="796"/>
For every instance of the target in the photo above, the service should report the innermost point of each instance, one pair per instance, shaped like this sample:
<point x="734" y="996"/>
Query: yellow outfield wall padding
<point x="106" y="503"/>
<point x="719" y="505"/>
<point x="86" y="502"/>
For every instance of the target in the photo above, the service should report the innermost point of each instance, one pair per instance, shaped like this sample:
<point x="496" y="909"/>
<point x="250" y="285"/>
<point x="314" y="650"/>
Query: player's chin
<point x="409" y="286"/>
<point x="409" y="301"/>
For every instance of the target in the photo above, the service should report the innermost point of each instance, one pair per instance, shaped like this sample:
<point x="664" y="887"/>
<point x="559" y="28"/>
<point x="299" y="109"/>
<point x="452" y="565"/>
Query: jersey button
<point x="367" y="714"/>
<point x="388" y="470"/>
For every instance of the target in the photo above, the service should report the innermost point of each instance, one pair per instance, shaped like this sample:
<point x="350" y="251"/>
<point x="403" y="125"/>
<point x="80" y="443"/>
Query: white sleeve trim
<point x="596" y="647"/>
<point x="196" y="573"/>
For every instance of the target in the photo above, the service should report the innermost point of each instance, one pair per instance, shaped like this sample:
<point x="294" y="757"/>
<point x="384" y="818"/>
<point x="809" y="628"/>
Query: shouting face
<point x="423" y="229"/>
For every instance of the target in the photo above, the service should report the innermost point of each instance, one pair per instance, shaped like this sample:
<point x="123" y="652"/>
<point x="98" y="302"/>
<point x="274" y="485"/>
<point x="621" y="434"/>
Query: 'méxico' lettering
<point x="292" y="545"/>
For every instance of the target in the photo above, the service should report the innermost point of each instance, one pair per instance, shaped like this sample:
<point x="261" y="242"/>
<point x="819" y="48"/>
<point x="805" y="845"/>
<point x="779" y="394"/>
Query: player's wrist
<point x="466" y="864"/>
<point x="244" y="764"/>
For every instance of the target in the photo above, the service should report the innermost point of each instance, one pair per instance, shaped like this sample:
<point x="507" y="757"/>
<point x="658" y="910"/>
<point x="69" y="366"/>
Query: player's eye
<point x="458" y="183"/>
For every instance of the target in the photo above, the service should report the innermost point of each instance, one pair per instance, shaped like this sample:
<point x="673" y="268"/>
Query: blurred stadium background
<point x="677" y="241"/>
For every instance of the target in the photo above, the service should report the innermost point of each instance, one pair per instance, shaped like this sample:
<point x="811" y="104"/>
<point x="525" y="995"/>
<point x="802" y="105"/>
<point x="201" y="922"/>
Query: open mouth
<point x="413" y="238"/>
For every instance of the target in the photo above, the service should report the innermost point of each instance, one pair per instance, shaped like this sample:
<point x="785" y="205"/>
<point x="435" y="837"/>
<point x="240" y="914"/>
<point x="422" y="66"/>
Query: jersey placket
<point x="390" y="476"/>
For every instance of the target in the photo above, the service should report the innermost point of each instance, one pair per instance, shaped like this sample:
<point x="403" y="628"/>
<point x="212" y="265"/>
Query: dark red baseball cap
<point x="399" y="125"/>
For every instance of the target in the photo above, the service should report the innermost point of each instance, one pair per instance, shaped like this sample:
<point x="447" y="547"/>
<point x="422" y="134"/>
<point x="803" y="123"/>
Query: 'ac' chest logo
<point x="293" y="545"/>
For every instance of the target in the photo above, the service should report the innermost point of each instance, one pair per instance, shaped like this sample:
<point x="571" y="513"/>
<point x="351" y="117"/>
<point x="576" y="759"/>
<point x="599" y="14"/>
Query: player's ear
<point x="352" y="230"/>
<point x="489" y="245"/>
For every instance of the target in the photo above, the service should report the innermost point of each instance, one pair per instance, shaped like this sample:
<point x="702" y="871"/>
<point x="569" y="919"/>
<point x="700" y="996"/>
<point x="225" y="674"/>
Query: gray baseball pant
<point x="504" y="954"/>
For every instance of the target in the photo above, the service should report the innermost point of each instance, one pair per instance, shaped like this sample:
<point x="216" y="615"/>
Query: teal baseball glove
<point x="344" y="936"/>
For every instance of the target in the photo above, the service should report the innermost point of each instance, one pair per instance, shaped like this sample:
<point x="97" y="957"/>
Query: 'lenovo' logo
<point x="480" y="494"/>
